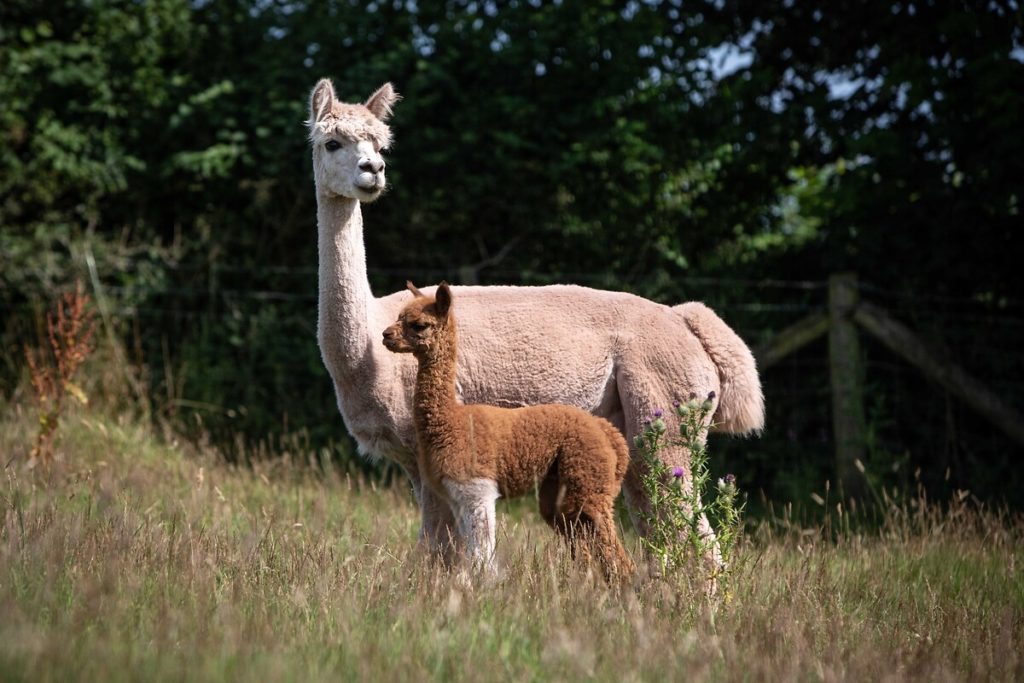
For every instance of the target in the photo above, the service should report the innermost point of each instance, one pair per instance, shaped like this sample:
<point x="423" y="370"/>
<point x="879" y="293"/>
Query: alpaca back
<point x="520" y="445"/>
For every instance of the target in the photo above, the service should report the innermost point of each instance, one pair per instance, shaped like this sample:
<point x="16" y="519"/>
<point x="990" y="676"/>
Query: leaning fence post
<point x="847" y="382"/>
<point x="953" y="378"/>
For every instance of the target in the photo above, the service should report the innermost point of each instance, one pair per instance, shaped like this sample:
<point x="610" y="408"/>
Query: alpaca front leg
<point x="438" y="534"/>
<point x="473" y="503"/>
<point x="438" y="530"/>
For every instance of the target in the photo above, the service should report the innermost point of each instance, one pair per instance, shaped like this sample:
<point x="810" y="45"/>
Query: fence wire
<point x="200" y="330"/>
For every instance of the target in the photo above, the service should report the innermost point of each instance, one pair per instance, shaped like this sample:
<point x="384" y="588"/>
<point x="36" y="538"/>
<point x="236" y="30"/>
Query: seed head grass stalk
<point x="143" y="558"/>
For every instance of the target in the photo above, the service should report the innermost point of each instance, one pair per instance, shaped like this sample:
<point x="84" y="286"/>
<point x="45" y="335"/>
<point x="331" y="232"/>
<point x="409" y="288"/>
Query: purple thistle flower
<point x="675" y="403"/>
<point x="730" y="479"/>
<point x="657" y="412"/>
<point x="678" y="472"/>
<point x="647" y="421"/>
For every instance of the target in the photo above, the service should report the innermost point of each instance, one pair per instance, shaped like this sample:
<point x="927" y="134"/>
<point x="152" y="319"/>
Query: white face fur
<point x="348" y="140"/>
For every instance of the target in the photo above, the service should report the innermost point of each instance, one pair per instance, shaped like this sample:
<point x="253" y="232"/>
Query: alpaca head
<point x="348" y="140"/>
<point x="425" y="326"/>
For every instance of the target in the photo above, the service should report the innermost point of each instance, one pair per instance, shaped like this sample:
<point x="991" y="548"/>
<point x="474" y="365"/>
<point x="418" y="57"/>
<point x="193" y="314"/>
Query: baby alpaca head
<point x="424" y="325"/>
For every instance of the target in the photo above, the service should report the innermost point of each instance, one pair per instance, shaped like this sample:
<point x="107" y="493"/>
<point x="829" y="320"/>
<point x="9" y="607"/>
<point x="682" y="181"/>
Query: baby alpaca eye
<point x="418" y="327"/>
<point x="332" y="145"/>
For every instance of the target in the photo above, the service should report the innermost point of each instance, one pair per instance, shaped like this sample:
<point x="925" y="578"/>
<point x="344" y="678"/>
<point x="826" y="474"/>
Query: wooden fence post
<point x="845" y="313"/>
<point x="847" y="383"/>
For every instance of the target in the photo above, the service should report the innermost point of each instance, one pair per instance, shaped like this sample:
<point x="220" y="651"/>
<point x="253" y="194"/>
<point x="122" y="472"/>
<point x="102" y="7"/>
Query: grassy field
<point x="138" y="558"/>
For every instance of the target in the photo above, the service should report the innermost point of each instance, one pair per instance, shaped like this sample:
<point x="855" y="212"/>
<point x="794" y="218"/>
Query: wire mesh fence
<point x="233" y="350"/>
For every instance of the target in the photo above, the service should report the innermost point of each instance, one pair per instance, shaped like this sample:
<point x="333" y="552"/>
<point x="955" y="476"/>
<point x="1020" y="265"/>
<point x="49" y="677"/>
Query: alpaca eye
<point x="418" y="327"/>
<point x="332" y="145"/>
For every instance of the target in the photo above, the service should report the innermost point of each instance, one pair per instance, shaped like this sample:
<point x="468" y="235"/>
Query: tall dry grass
<point x="138" y="558"/>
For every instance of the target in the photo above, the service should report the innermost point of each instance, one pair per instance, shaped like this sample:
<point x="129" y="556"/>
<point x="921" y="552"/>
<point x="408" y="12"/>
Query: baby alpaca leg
<point x="557" y="509"/>
<point x="592" y="532"/>
<point x="585" y="522"/>
<point x="563" y="517"/>
<point x="592" y="478"/>
<point x="615" y="561"/>
<point x="473" y="504"/>
<point x="550" y="496"/>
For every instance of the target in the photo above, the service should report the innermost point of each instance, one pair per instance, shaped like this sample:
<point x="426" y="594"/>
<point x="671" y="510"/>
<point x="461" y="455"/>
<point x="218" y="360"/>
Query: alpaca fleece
<point x="574" y="461"/>
<point x="610" y="353"/>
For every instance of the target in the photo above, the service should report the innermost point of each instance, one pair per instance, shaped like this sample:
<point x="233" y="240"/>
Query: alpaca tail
<point x="741" y="405"/>
<point x="618" y="443"/>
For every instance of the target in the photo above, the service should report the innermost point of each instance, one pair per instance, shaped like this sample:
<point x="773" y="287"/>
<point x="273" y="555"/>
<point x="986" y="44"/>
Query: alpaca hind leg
<point x="550" y="495"/>
<point x="591" y="532"/>
<point x="566" y="523"/>
<point x="640" y="397"/>
<point x="578" y="532"/>
<point x="615" y="561"/>
<point x="561" y="509"/>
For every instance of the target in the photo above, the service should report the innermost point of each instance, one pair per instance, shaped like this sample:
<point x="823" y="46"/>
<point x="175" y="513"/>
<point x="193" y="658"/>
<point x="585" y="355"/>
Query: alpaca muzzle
<point x="393" y="341"/>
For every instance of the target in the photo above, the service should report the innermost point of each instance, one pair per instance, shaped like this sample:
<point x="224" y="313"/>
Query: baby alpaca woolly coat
<point x="574" y="461"/>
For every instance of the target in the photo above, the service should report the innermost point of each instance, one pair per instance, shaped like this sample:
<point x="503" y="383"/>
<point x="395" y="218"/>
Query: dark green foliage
<point x="681" y="152"/>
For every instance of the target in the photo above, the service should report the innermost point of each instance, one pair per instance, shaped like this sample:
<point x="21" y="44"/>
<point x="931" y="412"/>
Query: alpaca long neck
<point x="434" y="403"/>
<point x="345" y="297"/>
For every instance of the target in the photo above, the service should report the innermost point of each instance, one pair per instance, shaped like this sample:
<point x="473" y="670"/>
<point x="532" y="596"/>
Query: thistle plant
<point x="674" y="536"/>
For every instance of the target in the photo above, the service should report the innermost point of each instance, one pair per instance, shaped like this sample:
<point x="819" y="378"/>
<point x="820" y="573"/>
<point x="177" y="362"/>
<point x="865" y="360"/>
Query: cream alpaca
<point x="469" y="454"/>
<point x="611" y="354"/>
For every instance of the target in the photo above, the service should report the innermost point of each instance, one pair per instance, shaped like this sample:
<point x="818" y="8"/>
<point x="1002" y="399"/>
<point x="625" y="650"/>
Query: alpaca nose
<point x="371" y="165"/>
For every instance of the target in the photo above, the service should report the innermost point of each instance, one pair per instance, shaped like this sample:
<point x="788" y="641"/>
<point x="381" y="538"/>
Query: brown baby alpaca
<point x="471" y="453"/>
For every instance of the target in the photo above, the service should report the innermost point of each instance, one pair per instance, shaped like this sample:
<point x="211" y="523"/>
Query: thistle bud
<point x="727" y="485"/>
<point x="659" y="425"/>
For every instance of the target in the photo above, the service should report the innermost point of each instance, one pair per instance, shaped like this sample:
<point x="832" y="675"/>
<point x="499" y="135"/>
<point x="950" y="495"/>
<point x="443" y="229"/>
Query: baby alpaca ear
<point x="381" y="102"/>
<point x="443" y="299"/>
<point x="321" y="100"/>
<point x="412" y="288"/>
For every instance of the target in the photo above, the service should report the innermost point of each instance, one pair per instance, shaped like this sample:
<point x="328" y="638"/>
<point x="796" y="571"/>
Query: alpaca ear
<point x="412" y="288"/>
<point x="321" y="100"/>
<point x="443" y="299"/>
<point x="381" y="102"/>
